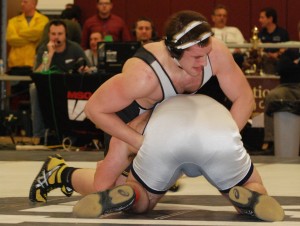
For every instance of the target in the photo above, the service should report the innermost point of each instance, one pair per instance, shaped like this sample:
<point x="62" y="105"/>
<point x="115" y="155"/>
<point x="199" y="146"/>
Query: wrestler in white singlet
<point x="192" y="135"/>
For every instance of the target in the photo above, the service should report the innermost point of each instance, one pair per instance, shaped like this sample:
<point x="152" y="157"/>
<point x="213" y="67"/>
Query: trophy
<point x="254" y="38"/>
<point x="253" y="61"/>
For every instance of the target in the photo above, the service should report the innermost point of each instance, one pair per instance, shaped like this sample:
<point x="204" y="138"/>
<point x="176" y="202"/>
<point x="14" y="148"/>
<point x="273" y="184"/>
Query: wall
<point x="242" y="13"/>
<point x="13" y="8"/>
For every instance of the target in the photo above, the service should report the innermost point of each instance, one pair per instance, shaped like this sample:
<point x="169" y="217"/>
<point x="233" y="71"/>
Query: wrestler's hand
<point x="138" y="124"/>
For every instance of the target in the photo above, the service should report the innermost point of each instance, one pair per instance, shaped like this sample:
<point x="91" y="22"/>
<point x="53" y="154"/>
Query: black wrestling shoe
<point x="174" y="187"/>
<point x="251" y="203"/>
<point x="49" y="178"/>
<point x="113" y="200"/>
<point x="268" y="148"/>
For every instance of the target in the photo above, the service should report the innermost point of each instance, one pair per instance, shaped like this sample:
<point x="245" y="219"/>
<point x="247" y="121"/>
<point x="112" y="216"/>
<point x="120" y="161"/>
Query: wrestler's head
<point x="185" y="29"/>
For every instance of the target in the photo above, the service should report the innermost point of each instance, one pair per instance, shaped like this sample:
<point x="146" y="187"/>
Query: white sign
<point x="53" y="4"/>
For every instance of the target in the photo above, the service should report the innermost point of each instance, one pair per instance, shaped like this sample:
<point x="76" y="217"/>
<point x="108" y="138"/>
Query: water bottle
<point x="1" y="67"/>
<point x="101" y="58"/>
<point x="45" y="59"/>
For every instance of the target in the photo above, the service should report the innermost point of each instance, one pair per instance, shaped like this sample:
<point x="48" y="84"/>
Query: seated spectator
<point x="69" y="5"/>
<point x="289" y="89"/>
<point x="75" y="12"/>
<point x="112" y="26"/>
<point x="271" y="33"/>
<point x="92" y="52"/>
<point x="144" y="31"/>
<point x="228" y="34"/>
<point x="72" y="13"/>
<point x="23" y="34"/>
<point x="63" y="55"/>
<point x="70" y="18"/>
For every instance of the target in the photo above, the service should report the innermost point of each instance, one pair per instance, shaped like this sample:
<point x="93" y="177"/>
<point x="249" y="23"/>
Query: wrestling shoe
<point x="174" y="187"/>
<point x="49" y="178"/>
<point x="113" y="200"/>
<point x="254" y="204"/>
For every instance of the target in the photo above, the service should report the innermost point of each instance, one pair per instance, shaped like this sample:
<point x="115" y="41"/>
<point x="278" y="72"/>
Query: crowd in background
<point x="29" y="31"/>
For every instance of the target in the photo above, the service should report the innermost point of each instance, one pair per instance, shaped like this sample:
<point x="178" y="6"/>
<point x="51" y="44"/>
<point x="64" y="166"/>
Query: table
<point x="5" y="90"/>
<point x="12" y="78"/>
<point x="62" y="98"/>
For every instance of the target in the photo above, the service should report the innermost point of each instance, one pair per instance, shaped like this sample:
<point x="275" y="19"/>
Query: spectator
<point x="228" y="34"/>
<point x="271" y="33"/>
<point x="73" y="13"/>
<point x="69" y="5"/>
<point x="289" y="89"/>
<point x="70" y="18"/>
<point x="60" y="48"/>
<point x="144" y="31"/>
<point x="112" y="26"/>
<point x="63" y="55"/>
<point x="92" y="52"/>
<point x="23" y="34"/>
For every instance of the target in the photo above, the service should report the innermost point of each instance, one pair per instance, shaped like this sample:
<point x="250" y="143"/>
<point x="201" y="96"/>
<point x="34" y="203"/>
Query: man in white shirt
<point x="229" y="34"/>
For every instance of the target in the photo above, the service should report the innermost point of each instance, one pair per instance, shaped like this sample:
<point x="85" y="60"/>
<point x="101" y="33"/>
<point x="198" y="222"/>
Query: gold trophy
<point x="254" y="39"/>
<point x="253" y="62"/>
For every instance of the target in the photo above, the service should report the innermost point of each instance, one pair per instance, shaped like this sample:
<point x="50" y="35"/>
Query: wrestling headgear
<point x="195" y="32"/>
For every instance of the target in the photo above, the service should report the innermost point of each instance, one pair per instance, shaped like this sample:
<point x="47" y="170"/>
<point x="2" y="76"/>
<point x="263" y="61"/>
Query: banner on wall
<point x="261" y="86"/>
<point x="53" y="4"/>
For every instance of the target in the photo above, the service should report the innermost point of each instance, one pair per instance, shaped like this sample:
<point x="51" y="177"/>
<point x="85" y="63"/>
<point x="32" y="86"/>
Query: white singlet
<point x="192" y="135"/>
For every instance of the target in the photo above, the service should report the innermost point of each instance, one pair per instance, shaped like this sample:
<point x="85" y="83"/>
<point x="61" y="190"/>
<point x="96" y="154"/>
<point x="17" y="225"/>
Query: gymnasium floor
<point x="196" y="203"/>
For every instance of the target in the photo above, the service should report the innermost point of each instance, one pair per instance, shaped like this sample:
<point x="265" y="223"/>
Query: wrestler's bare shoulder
<point x="219" y="49"/>
<point x="158" y="49"/>
<point x="219" y="56"/>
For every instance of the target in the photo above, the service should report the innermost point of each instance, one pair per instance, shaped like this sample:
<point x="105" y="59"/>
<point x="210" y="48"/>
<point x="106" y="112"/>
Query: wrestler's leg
<point x="83" y="181"/>
<point x="131" y="196"/>
<point x="255" y="183"/>
<point x="55" y="173"/>
<point x="145" y="200"/>
<point x="109" y="171"/>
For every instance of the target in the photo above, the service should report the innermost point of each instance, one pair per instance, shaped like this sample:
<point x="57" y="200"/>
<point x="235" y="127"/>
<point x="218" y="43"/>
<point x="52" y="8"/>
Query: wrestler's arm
<point x="233" y="83"/>
<point x="117" y="93"/>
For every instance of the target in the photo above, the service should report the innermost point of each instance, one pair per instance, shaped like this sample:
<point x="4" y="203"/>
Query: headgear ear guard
<point x="175" y="53"/>
<point x="176" y="47"/>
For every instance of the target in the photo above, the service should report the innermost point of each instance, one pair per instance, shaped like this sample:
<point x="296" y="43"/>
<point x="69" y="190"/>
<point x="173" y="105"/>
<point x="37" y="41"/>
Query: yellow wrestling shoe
<point x="49" y="178"/>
